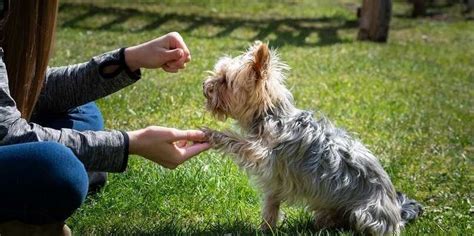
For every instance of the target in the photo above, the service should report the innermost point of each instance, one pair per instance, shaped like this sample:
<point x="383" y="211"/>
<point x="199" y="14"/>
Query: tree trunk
<point x="419" y="8"/>
<point x="374" y="20"/>
<point x="470" y="4"/>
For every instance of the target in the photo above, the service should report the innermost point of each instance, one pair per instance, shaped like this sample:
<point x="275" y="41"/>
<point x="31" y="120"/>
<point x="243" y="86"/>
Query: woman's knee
<point x="64" y="174"/>
<point x="53" y="183"/>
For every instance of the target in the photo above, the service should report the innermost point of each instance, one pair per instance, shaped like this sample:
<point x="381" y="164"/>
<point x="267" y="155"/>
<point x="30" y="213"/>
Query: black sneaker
<point x="97" y="181"/>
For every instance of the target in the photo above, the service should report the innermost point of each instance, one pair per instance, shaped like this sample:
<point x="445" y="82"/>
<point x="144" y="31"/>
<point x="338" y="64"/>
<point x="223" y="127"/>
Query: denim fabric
<point x="85" y="117"/>
<point x="40" y="182"/>
<point x="82" y="118"/>
<point x="44" y="182"/>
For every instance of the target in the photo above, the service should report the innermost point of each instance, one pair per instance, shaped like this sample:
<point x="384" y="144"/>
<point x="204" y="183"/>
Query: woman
<point x="49" y="128"/>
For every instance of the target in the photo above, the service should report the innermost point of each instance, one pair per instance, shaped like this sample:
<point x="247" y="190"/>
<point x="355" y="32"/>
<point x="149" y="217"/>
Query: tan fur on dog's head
<point x="248" y="86"/>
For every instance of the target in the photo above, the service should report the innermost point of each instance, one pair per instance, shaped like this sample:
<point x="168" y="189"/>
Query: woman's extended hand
<point x="167" y="146"/>
<point x="168" y="52"/>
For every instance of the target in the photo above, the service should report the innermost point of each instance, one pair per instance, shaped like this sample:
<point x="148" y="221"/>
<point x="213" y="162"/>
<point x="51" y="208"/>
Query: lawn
<point x="410" y="100"/>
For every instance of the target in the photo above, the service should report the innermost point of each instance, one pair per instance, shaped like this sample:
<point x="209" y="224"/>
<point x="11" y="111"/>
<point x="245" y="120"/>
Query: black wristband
<point x="137" y="74"/>
<point x="126" y="152"/>
<point x="118" y="59"/>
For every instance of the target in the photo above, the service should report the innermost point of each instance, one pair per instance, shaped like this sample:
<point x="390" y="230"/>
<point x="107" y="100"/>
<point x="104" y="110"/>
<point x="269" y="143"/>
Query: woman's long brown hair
<point x="26" y="36"/>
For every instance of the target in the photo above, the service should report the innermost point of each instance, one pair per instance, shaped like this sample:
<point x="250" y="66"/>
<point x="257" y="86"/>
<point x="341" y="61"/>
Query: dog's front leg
<point x="270" y="212"/>
<point x="248" y="153"/>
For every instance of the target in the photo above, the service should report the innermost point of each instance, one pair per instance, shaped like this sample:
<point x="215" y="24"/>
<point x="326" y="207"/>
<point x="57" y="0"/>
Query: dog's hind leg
<point x="378" y="220"/>
<point x="329" y="219"/>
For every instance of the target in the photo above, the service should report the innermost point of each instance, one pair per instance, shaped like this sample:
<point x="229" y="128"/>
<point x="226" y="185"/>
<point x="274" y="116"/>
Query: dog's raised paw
<point x="212" y="136"/>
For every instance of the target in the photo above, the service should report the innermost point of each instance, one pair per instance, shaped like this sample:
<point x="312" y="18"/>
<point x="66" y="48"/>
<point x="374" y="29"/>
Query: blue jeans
<point x="44" y="182"/>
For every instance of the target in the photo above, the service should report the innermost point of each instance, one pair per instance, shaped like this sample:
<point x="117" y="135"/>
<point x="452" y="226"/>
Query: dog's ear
<point x="261" y="61"/>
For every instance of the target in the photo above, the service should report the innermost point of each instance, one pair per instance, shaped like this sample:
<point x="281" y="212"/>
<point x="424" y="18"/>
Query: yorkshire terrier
<point x="296" y="158"/>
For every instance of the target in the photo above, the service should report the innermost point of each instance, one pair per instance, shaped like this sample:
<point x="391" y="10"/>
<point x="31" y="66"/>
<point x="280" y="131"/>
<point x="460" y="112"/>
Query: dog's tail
<point x="411" y="209"/>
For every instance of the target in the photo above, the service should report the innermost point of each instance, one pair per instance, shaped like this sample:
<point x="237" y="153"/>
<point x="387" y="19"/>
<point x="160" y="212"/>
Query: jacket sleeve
<point x="71" y="86"/>
<point x="97" y="150"/>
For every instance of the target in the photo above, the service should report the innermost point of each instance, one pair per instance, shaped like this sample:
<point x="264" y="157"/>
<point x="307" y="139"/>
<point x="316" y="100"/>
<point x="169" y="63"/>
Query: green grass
<point x="410" y="100"/>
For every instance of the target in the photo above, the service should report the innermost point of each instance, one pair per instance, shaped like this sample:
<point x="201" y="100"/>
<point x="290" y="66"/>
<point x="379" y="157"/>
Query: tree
<point x="374" y="20"/>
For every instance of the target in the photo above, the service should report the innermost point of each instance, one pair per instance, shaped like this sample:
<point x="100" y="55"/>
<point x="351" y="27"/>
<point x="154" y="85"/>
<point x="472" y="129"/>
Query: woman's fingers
<point x="182" y="153"/>
<point x="181" y="143"/>
<point x="169" y="69"/>
<point x="189" y="135"/>
<point x="178" y="42"/>
<point x="193" y="150"/>
<point x="175" y="65"/>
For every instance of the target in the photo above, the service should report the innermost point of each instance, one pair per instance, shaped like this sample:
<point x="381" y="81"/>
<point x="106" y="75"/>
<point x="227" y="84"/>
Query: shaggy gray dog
<point x="296" y="158"/>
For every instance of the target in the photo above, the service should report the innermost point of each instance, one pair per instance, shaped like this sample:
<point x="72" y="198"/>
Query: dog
<point x="295" y="157"/>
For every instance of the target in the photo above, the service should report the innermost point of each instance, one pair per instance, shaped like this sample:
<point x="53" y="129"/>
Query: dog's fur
<point x="295" y="157"/>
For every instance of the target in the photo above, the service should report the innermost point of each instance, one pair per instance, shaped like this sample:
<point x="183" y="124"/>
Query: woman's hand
<point x="168" y="52"/>
<point x="166" y="146"/>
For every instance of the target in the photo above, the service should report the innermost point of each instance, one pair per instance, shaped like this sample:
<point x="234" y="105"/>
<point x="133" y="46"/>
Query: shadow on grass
<point x="440" y="11"/>
<point x="294" y="31"/>
<point x="300" y="224"/>
<point x="232" y="228"/>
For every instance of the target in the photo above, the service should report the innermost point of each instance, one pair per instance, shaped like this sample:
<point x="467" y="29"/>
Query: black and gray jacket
<point x="65" y="88"/>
